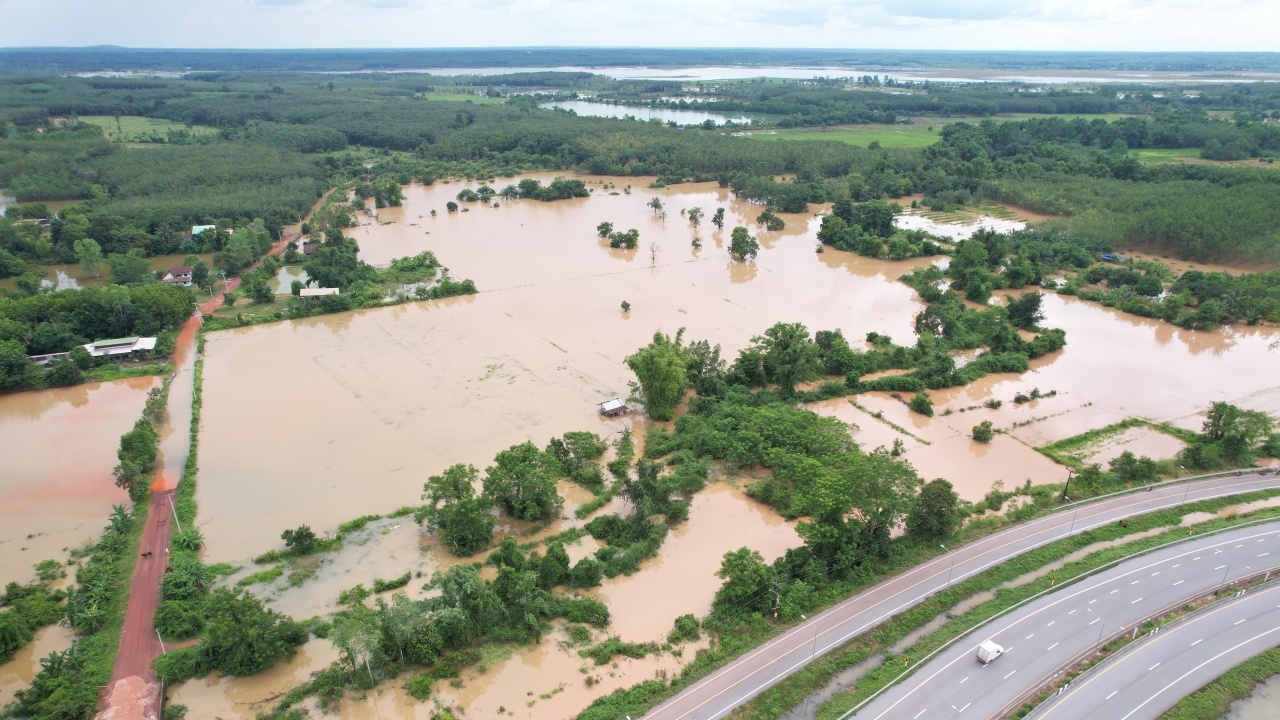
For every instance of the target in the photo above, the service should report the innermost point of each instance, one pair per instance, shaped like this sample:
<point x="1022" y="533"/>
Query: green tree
<point x="695" y="217"/>
<point x="522" y="482"/>
<point x="455" y="510"/>
<point x="742" y="245"/>
<point x="788" y="355"/>
<point x="922" y="404"/>
<point x="933" y="515"/>
<point x="1237" y="431"/>
<point x="400" y="621"/>
<point x="200" y="274"/>
<point x="718" y="218"/>
<point x="984" y="431"/>
<point x="746" y="577"/>
<point x="1025" y="311"/>
<point x="660" y="369"/>
<point x="604" y="229"/>
<point x="299" y="541"/>
<point x="89" y="255"/>
<point x="243" y="637"/>
<point x="129" y="268"/>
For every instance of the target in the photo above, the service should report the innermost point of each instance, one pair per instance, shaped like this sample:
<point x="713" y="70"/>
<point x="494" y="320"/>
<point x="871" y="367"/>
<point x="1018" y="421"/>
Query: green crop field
<point x="462" y="97"/>
<point x="890" y="136"/>
<point x="128" y="128"/>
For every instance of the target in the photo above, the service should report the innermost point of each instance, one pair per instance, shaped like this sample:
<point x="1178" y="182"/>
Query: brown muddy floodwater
<point x="18" y="672"/>
<point x="322" y="420"/>
<point x="58" y="448"/>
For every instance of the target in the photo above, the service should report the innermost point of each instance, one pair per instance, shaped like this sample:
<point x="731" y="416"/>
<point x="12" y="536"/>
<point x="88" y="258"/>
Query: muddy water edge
<point x="322" y="420"/>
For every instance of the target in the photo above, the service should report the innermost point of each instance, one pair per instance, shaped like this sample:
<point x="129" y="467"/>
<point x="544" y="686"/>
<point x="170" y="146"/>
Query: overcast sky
<point x="908" y="24"/>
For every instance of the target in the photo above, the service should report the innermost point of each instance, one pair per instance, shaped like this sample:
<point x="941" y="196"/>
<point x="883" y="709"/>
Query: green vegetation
<point x="132" y="129"/>
<point x="913" y="136"/>
<point x="69" y="682"/>
<point x="63" y="321"/>
<point x="26" y="609"/>
<point x="1213" y="700"/>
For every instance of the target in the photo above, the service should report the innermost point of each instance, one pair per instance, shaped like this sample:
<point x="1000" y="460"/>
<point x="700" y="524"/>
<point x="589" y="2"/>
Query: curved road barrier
<point x="1044" y="638"/>
<point x="742" y="679"/>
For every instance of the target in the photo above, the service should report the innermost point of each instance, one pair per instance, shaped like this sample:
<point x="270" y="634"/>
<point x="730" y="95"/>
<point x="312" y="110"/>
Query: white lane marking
<point x="1095" y="620"/>
<point x="1195" y="558"/>
<point x="1031" y="636"/>
<point x="1178" y="565"/>
<point x="1113" y="592"/>
<point x="1155" y="573"/>
<point x="1093" y="601"/>
<point x="1051" y="647"/>
<point x="1113" y="692"/>
<point x="1237" y="622"/>
<point x="966" y="705"/>
<point x="1073" y="612"/>
<point x="966" y="678"/>
<point x="1177" y="680"/>
<point x="1240" y="546"/>
<point x="1135" y="582"/>
<point x="1136" y="601"/>
<point x="1202" y="639"/>
<point x="1153" y="667"/>
<point x="1179" y="583"/>
<point x="1219" y="567"/>
<point x="919" y="714"/>
<point x="1006" y="677"/>
<point x="1261" y="554"/>
<point x="1051" y="622"/>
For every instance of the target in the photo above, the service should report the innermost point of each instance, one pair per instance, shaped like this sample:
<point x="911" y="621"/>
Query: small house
<point x="120" y="347"/>
<point x="613" y="408"/>
<point x="180" y="276"/>
<point x="317" y="292"/>
<point x="309" y="248"/>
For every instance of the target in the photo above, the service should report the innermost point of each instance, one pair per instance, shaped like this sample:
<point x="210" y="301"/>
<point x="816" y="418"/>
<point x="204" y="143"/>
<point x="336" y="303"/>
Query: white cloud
<point x="907" y="24"/>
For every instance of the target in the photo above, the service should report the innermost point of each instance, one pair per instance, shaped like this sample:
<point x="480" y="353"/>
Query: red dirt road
<point x="139" y="644"/>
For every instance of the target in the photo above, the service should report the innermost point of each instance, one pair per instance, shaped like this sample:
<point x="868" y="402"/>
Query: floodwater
<point x="1139" y="441"/>
<point x="1263" y="704"/>
<point x="721" y="519"/>
<point x="59" y="447"/>
<point x="228" y="697"/>
<point x="586" y="108"/>
<point x="18" y="672"/>
<point x="956" y="232"/>
<point x="322" y="420"/>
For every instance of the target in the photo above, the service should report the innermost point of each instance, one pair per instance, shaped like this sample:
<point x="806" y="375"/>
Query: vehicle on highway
<point x="989" y="651"/>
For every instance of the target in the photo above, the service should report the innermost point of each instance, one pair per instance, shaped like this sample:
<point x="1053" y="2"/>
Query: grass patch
<point x="1070" y="451"/>
<point x="271" y="574"/>
<point x="131" y="128"/>
<point x="107" y="373"/>
<point x="1211" y="701"/>
<point x="889" y="136"/>
<point x="1164" y="155"/>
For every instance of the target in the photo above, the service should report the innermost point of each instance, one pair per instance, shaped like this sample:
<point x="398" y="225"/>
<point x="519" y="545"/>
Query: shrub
<point x="922" y="404"/>
<point x="983" y="431"/>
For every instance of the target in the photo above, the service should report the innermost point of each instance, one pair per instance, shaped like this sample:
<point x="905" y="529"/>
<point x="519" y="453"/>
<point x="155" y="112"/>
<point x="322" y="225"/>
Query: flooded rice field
<point x="323" y="420"/>
<point x="58" y="448"/>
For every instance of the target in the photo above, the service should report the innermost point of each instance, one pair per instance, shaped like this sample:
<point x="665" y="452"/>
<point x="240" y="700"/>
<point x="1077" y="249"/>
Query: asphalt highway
<point x="720" y="692"/>
<point x="1058" y="630"/>
<point x="1152" y="676"/>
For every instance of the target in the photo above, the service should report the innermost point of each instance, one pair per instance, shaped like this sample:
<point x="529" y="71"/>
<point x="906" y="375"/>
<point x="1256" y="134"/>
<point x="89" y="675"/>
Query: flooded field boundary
<point x="1213" y="700"/>
<point x="793" y="691"/>
<point x="1067" y="451"/>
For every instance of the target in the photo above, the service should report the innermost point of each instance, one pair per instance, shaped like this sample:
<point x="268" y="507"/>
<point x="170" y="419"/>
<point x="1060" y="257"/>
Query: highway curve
<point x="742" y="679"/>
<point x="1060" y="629"/>
<point x="1150" y="677"/>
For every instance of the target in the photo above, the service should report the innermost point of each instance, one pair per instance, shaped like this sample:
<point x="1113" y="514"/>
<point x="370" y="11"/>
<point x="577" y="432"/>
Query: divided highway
<point x="737" y="682"/>
<point x="1149" y="678"/>
<point x="1062" y="628"/>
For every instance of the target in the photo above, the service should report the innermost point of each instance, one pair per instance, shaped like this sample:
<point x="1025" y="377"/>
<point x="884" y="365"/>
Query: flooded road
<point x="58" y="448"/>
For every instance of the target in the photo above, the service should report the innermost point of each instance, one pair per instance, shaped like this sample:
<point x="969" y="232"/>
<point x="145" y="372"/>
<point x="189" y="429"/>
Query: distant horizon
<point x="927" y="25"/>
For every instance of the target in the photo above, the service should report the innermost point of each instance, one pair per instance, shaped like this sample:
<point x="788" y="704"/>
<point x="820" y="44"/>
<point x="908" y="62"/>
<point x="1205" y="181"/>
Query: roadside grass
<point x="1212" y="701"/>
<point x="792" y="692"/>
<point x="131" y="128"/>
<point x="106" y="373"/>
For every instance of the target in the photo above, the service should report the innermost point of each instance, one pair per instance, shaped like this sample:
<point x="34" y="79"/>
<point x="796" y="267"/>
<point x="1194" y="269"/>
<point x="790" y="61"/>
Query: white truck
<point x="989" y="651"/>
